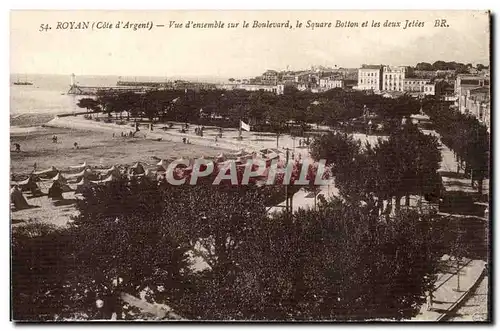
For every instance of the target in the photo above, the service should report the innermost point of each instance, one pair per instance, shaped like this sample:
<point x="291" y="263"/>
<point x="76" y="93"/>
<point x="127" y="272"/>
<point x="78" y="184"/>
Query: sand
<point x="97" y="147"/>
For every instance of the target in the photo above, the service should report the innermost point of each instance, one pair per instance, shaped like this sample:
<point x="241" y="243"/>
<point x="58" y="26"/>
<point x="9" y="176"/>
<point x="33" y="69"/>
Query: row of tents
<point x="83" y="175"/>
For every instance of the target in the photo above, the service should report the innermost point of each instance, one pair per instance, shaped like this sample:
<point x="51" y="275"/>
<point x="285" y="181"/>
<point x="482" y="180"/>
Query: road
<point x="475" y="308"/>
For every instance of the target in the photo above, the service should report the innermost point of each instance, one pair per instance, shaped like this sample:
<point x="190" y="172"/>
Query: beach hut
<point x="17" y="198"/>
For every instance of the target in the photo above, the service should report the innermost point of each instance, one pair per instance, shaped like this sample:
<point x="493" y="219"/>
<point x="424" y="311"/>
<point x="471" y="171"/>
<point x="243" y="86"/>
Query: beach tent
<point x="149" y="173"/>
<point x="239" y="153"/>
<point x="113" y="170"/>
<point x="56" y="191"/>
<point x="29" y="184"/>
<point x="59" y="178"/>
<point x="137" y="169"/>
<point x="271" y="156"/>
<point x="79" y="167"/>
<point x="17" y="198"/>
<point x="47" y="173"/>
<point x="162" y="165"/>
<point x="61" y="182"/>
<point x="219" y="158"/>
<point x="83" y="184"/>
<point x="182" y="163"/>
<point x="111" y="178"/>
<point x="86" y="173"/>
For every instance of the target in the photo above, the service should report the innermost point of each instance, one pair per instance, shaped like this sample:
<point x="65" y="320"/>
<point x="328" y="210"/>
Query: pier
<point x="75" y="89"/>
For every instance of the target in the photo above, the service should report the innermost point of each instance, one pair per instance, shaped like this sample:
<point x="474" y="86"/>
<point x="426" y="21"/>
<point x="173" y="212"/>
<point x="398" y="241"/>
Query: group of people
<point x="125" y="134"/>
<point x="304" y="142"/>
<point x="199" y="131"/>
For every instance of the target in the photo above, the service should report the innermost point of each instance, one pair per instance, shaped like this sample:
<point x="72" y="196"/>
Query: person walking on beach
<point x="75" y="145"/>
<point x="18" y="147"/>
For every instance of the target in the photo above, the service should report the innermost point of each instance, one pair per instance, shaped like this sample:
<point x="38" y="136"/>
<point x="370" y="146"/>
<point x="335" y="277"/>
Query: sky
<point x="238" y="52"/>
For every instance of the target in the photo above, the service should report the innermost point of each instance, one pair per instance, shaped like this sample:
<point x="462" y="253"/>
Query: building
<point x="288" y="79"/>
<point x="477" y="103"/>
<point x="277" y="89"/>
<point x="393" y="78"/>
<point x="370" y="77"/>
<point x="463" y="84"/>
<point x="270" y="77"/>
<point x="328" y="83"/>
<point x="429" y="89"/>
<point x="415" y="84"/>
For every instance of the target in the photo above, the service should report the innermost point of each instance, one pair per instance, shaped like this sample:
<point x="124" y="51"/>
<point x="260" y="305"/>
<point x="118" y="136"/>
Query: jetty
<point x="75" y="89"/>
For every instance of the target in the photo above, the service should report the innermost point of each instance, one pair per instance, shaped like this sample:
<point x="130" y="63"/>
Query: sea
<point x="34" y="105"/>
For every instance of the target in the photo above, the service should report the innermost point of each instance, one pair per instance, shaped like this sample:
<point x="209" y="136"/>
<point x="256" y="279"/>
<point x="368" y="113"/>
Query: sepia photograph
<point x="250" y="166"/>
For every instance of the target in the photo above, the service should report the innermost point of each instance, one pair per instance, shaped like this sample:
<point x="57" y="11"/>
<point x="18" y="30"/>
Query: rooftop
<point x="371" y="66"/>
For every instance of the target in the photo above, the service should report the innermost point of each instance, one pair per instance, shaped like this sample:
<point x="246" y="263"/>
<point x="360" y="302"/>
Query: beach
<point x="97" y="147"/>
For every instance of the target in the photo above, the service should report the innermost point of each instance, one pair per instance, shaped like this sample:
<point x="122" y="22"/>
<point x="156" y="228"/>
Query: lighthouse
<point x="73" y="88"/>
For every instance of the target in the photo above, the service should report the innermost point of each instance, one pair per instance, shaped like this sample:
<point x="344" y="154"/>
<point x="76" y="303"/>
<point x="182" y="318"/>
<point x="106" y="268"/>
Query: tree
<point x="424" y="66"/>
<point x="338" y="149"/>
<point x="40" y="263"/>
<point x="402" y="165"/>
<point x="88" y="104"/>
<point x="330" y="265"/>
<point x="481" y="66"/>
